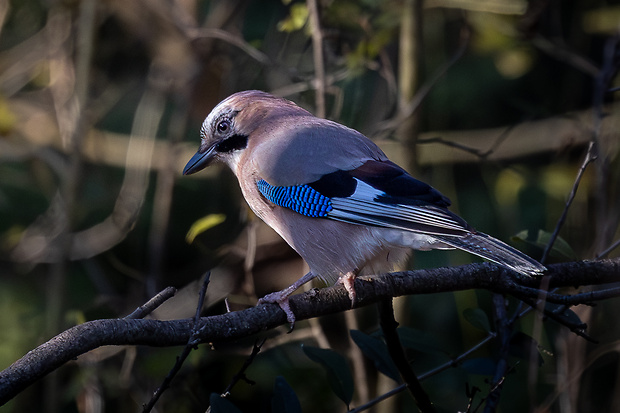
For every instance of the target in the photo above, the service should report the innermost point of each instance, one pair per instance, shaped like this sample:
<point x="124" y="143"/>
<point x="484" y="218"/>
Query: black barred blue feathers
<point x="301" y="198"/>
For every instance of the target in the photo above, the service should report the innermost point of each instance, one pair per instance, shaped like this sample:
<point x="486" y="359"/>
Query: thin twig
<point x="590" y="157"/>
<point x="608" y="250"/>
<point x="576" y="328"/>
<point x="152" y="304"/>
<point x="395" y="349"/>
<point x="254" y="53"/>
<point x="477" y="152"/>
<point x="496" y="387"/>
<point x="455" y="362"/>
<point x="568" y="300"/>
<point x="563" y="54"/>
<point x="191" y="343"/>
<point x="379" y="399"/>
<point x="471" y="395"/>
<point x="385" y="127"/>
<point x="241" y="374"/>
<point x="309" y="84"/>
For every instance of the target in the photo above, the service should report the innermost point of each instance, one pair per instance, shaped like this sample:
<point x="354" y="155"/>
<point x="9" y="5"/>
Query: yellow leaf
<point x="296" y="20"/>
<point x="7" y="117"/>
<point x="75" y="317"/>
<point x="202" y="225"/>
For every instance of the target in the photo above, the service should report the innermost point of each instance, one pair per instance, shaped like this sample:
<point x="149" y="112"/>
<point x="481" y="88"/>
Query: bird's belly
<point x="332" y="248"/>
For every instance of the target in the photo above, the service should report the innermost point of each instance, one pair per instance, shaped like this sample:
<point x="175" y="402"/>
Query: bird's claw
<point x="282" y="301"/>
<point x="348" y="280"/>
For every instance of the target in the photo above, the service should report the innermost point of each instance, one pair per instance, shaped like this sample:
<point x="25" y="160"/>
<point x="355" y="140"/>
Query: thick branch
<point x="235" y="325"/>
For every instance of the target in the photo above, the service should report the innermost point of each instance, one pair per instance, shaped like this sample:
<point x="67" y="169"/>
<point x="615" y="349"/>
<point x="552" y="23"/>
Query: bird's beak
<point x="200" y="160"/>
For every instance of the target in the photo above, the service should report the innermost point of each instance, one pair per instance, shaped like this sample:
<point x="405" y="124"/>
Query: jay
<point x="332" y="194"/>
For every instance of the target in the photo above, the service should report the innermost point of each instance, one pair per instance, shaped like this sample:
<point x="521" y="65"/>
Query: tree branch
<point x="397" y="354"/>
<point x="318" y="302"/>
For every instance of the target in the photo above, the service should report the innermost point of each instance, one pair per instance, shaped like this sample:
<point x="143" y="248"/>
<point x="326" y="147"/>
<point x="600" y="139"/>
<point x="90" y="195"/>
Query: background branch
<point x="236" y="325"/>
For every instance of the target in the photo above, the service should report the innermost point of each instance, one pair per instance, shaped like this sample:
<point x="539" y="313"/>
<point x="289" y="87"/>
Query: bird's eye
<point x="223" y="126"/>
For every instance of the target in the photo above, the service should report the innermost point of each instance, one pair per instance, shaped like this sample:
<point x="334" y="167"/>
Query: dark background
<point x="101" y="105"/>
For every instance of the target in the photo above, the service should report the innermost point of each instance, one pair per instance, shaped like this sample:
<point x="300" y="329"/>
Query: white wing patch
<point x="363" y="208"/>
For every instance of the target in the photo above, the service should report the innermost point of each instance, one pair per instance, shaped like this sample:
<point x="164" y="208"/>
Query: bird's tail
<point x="495" y="250"/>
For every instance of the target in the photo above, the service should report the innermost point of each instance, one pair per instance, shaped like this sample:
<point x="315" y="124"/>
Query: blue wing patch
<point x="301" y="198"/>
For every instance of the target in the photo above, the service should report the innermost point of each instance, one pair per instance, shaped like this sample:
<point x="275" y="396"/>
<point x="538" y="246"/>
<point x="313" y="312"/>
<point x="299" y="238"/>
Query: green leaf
<point x="202" y="225"/>
<point x="376" y="350"/>
<point x="338" y="373"/>
<point x="284" y="398"/>
<point x="561" y="249"/>
<point x="222" y="405"/>
<point x="419" y="340"/>
<point x="477" y="318"/>
<point x="569" y="315"/>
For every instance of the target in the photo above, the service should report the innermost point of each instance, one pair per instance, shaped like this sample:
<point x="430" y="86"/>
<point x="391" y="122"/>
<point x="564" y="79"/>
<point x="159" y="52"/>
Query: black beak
<point x="200" y="160"/>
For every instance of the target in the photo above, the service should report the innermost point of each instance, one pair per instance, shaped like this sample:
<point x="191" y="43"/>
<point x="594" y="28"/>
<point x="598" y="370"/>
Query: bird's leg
<point x="281" y="297"/>
<point x="348" y="280"/>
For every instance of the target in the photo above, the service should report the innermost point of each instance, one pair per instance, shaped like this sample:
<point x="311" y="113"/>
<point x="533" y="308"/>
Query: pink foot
<point x="348" y="280"/>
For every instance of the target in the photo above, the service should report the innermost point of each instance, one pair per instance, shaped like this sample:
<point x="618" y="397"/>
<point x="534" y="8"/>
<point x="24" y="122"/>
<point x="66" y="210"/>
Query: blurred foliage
<point x="101" y="105"/>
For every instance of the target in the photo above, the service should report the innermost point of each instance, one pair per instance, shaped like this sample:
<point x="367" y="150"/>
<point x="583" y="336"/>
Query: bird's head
<point x="227" y="130"/>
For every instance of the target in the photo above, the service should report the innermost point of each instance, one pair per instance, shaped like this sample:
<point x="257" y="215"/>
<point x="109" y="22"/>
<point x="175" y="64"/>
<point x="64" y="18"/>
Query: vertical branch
<point x="504" y="332"/>
<point x="409" y="78"/>
<point x="139" y="156"/>
<point x="162" y="203"/>
<point x="191" y="344"/>
<point x="69" y="88"/>
<point x="409" y="64"/>
<point x="248" y="285"/>
<point x="397" y="354"/>
<point x="537" y="332"/>
<point x="71" y="104"/>
<point x="317" y="53"/>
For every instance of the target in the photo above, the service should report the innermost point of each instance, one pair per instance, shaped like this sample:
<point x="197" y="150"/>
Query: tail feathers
<point x="496" y="251"/>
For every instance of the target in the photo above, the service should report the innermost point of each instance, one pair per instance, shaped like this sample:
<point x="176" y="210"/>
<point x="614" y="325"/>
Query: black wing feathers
<point x="339" y="184"/>
<point x="399" y="187"/>
<point x="396" y="185"/>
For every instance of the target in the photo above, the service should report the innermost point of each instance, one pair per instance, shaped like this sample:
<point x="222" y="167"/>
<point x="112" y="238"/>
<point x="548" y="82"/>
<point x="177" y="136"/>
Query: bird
<point x="333" y="195"/>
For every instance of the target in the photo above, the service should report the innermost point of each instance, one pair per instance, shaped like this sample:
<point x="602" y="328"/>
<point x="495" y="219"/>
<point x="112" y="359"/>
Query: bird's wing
<point x="381" y="194"/>
<point x="378" y="193"/>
